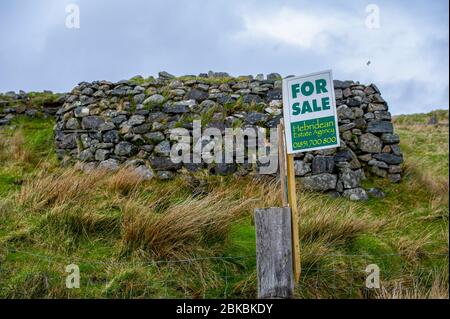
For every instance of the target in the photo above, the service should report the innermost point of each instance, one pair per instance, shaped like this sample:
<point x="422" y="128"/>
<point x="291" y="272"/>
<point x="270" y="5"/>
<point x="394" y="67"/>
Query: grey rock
<point x="68" y="141"/>
<point x="139" y="98"/>
<point x="350" y="178"/>
<point x="370" y="143"/>
<point x="163" y="164"/>
<point x="377" y="107"/>
<point x="81" y="111"/>
<point x="92" y="122"/>
<point x="72" y="124"/>
<point x="323" y="164"/>
<point x="155" y="99"/>
<point x="301" y="168"/>
<point x="345" y="112"/>
<point x="86" y="156"/>
<point x="154" y="137"/>
<point x="165" y="75"/>
<point x="256" y="117"/>
<point x="163" y="148"/>
<point x="175" y="108"/>
<point x="164" y="175"/>
<point x="197" y="95"/>
<point x="388" y="138"/>
<point x="376" y="193"/>
<point x="101" y="155"/>
<point x="377" y="163"/>
<point x="144" y="172"/>
<point x="356" y="194"/>
<point x="395" y="178"/>
<point x="389" y="158"/>
<point x="136" y="120"/>
<point x="124" y="149"/>
<point x="378" y="171"/>
<point x="109" y="165"/>
<point x="111" y="137"/>
<point x="377" y="126"/>
<point x="321" y="182"/>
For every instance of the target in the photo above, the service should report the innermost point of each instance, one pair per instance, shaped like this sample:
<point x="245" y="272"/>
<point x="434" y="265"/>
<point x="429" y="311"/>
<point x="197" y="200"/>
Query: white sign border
<point x="287" y="126"/>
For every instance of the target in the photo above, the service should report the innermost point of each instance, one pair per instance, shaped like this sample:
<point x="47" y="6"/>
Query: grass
<point x="157" y="239"/>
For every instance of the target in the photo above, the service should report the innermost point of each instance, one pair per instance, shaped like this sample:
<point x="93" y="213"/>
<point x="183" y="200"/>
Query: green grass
<point x="106" y="225"/>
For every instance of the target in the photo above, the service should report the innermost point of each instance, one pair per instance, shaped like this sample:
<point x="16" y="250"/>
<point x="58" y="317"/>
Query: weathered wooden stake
<point x="282" y="164"/>
<point x="294" y="218"/>
<point x="274" y="252"/>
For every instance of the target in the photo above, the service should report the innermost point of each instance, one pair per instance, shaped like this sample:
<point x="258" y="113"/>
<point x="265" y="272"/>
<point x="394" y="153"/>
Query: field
<point x="194" y="237"/>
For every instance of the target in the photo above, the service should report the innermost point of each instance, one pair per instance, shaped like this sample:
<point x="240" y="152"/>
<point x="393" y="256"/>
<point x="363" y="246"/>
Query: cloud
<point x="406" y="53"/>
<point x="119" y="39"/>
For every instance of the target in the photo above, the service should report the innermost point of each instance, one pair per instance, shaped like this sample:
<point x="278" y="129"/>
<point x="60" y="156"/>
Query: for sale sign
<point x="310" y="117"/>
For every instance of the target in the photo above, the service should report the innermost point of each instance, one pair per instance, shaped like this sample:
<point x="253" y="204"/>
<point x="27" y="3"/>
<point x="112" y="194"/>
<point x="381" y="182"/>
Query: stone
<point x="144" y="172"/>
<point x="376" y="193"/>
<point x="111" y="137"/>
<point x="273" y="76"/>
<point x="389" y="158"/>
<point x="163" y="148"/>
<point x="154" y="137"/>
<point x="155" y="99"/>
<point x="68" y="141"/>
<point x="377" y="126"/>
<point x="165" y="75"/>
<point x="81" y="112"/>
<point x="379" y="164"/>
<point x="389" y="138"/>
<point x="119" y="119"/>
<point x="394" y="178"/>
<point x="350" y="178"/>
<point x="164" y="175"/>
<point x="356" y="194"/>
<point x="223" y="169"/>
<point x="378" y="171"/>
<point x="92" y="122"/>
<point x="163" y="164"/>
<point x="301" y="168"/>
<point x="344" y="112"/>
<point x="86" y="156"/>
<point x="109" y="165"/>
<point x="376" y="107"/>
<point x="255" y="118"/>
<point x="101" y="155"/>
<point x="72" y="124"/>
<point x="395" y="169"/>
<point x="382" y="115"/>
<point x="197" y="95"/>
<point x="142" y="129"/>
<point x="175" y="108"/>
<point x="136" y="120"/>
<point x="370" y="143"/>
<point x="139" y="98"/>
<point x="396" y="149"/>
<point x="251" y="98"/>
<point x="346" y="127"/>
<point x="321" y="182"/>
<point x="323" y="164"/>
<point x="124" y="149"/>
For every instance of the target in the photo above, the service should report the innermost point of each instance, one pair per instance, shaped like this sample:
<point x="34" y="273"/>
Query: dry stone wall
<point x="104" y="124"/>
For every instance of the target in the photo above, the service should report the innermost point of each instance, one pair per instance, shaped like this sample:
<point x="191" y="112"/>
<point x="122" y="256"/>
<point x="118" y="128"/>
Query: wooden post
<point x="274" y="252"/>
<point x="282" y="164"/>
<point x="294" y="218"/>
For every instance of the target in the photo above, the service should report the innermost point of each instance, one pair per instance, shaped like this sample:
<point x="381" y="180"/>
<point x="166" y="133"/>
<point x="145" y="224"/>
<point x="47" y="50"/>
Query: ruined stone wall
<point x="104" y="124"/>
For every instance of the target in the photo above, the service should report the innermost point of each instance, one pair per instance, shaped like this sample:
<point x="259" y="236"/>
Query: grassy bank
<point x="194" y="236"/>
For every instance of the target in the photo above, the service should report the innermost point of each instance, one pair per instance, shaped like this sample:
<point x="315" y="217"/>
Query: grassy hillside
<point x="194" y="237"/>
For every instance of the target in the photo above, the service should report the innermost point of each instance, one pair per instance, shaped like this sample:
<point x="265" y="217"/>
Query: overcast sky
<point x="408" y="53"/>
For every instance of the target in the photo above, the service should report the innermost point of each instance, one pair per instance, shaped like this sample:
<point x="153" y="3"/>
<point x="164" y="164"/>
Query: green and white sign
<point x="310" y="117"/>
